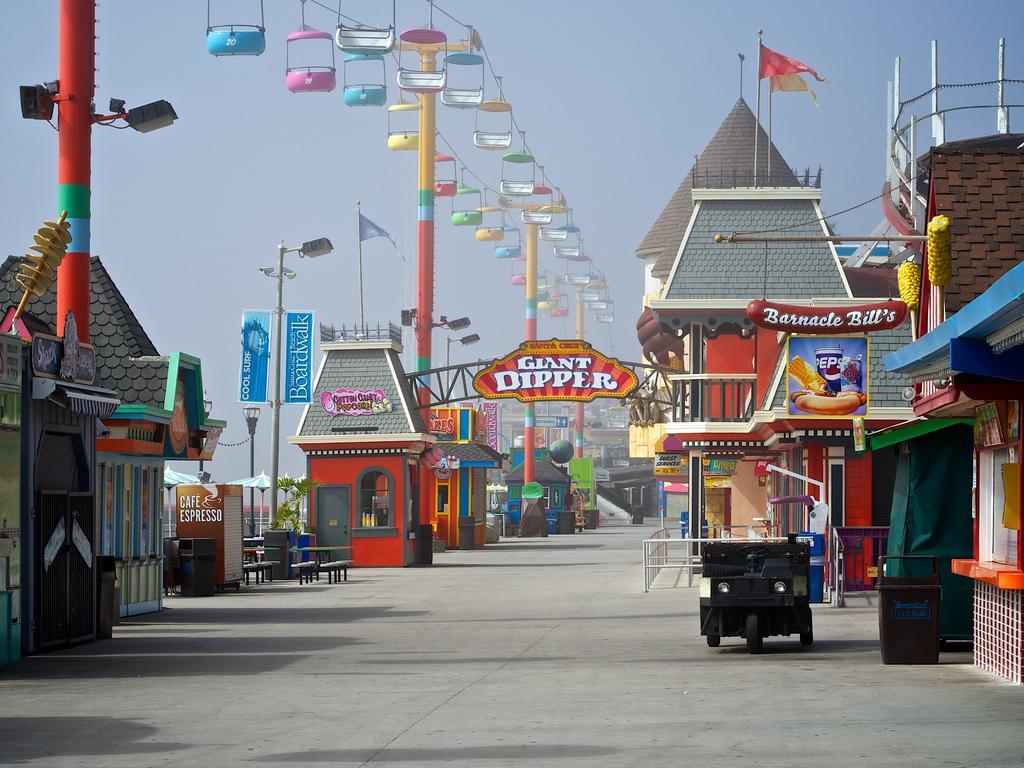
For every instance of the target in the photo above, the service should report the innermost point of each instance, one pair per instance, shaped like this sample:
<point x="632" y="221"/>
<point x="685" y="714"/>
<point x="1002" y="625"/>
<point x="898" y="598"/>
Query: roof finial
<point x="742" y="58"/>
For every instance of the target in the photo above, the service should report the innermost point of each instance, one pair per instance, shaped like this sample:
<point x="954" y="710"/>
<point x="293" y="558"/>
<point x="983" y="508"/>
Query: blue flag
<point x="369" y="230"/>
<point x="255" y="362"/>
<point x="298" y="371"/>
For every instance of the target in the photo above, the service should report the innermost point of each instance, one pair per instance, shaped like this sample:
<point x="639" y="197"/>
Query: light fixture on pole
<point x="311" y="248"/>
<point x="465" y="341"/>
<point x="252" y="417"/>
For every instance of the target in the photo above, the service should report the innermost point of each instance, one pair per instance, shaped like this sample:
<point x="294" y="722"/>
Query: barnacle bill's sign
<point x="555" y="370"/>
<point x="860" y="318"/>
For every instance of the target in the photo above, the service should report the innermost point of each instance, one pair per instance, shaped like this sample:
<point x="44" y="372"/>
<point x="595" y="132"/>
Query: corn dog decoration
<point x="823" y="396"/>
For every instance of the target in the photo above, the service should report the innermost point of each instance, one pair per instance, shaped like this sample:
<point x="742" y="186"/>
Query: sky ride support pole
<point x="578" y="437"/>
<point x="77" y="77"/>
<point x="530" y="410"/>
<point x="425" y="257"/>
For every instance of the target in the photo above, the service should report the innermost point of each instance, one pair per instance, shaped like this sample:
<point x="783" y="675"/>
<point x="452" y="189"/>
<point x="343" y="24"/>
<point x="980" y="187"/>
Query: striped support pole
<point x="425" y="260"/>
<point x="578" y="441"/>
<point x="530" y="410"/>
<point x="74" y="147"/>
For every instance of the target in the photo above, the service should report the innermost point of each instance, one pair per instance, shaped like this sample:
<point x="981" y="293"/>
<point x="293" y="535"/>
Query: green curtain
<point x="931" y="515"/>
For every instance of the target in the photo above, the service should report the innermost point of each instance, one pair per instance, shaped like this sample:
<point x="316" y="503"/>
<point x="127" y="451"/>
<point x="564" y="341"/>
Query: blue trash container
<point x="816" y="571"/>
<point x="552" y="521"/>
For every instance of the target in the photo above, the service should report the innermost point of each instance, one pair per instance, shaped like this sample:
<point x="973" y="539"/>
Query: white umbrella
<point x="172" y="478"/>
<point x="260" y="482"/>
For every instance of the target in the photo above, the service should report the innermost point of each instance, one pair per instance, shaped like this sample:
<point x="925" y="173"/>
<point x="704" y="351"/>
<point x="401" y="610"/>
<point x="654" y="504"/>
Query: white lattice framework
<point x="999" y="631"/>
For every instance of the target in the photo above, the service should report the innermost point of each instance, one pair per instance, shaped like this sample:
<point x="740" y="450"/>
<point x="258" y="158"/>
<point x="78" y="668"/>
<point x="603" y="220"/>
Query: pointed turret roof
<point x="727" y="159"/>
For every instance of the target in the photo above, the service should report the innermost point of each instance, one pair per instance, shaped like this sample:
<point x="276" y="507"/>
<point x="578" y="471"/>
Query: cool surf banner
<point x="255" y="359"/>
<point x="299" y="348"/>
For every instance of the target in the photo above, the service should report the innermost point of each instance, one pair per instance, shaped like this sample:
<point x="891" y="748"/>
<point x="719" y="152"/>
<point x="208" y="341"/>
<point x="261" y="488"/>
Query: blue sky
<point x="616" y="100"/>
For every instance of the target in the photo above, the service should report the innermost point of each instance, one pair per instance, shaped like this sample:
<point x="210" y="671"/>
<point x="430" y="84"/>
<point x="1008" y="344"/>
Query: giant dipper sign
<point x="555" y="370"/>
<point x="860" y="318"/>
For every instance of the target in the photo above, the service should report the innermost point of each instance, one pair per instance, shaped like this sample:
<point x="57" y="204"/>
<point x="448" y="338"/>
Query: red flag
<point x="773" y="63"/>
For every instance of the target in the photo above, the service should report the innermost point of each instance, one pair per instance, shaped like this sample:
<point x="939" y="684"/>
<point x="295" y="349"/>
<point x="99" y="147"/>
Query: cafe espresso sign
<point x="860" y="318"/>
<point x="555" y="370"/>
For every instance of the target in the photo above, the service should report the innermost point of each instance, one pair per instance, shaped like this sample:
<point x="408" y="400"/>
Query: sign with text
<point x="668" y="463"/>
<point x="718" y="467"/>
<point x="298" y="359"/>
<point x="555" y="370"/>
<point x="67" y="359"/>
<point x="255" y="359"/>
<point x="827" y="376"/>
<point x="862" y="318"/>
<point x="355" y="402"/>
<point x="491" y="417"/>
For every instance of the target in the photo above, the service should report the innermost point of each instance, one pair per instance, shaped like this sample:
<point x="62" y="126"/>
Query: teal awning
<point x="901" y="432"/>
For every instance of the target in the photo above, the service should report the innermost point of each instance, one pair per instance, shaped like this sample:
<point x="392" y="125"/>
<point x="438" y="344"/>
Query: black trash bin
<point x="108" y="596"/>
<point x="567" y="521"/>
<point x="425" y="544"/>
<point x="198" y="558"/>
<point x="279" y="552"/>
<point x="467" y="532"/>
<point x="908" y="609"/>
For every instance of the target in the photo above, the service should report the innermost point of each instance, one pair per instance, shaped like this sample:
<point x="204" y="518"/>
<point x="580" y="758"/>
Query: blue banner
<point x="298" y="372"/>
<point x="255" y="362"/>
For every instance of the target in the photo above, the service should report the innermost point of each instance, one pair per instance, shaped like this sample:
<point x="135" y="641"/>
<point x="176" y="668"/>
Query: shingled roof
<point x="729" y="155"/>
<point x="978" y="185"/>
<point x="116" y="334"/>
<point x="793" y="270"/>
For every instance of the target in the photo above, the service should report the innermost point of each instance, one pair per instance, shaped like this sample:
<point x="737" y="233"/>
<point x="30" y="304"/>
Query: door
<point x="334" y="515"/>
<point x="67" y="608"/>
<point x="836" y="491"/>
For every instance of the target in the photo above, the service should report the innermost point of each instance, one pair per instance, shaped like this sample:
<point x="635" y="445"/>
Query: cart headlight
<point x="724" y="588"/>
<point x="779" y="587"/>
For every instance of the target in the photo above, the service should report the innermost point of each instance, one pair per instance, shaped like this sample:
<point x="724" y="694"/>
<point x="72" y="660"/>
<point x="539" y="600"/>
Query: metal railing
<point x="853" y="560"/>
<point x="723" y="178"/>
<point x="333" y="334"/>
<point x="704" y="397"/>
<point x="661" y="551"/>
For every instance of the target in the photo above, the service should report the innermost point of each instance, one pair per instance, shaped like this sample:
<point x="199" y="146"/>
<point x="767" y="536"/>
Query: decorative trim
<point x="319" y="375"/>
<point x="758" y="193"/>
<point x="326" y="452"/>
<point x="364" y="437"/>
<point x="832" y="249"/>
<point x="331" y="346"/>
<point x="679" y="252"/>
<point x="401" y="392"/>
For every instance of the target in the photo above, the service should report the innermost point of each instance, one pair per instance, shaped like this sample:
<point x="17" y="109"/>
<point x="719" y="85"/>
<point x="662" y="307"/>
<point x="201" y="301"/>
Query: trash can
<point x="172" y="566"/>
<point x="567" y="521"/>
<point x="198" y="559"/>
<point x="467" y="532"/>
<point x="281" y="555"/>
<point x="908" y="609"/>
<point x="425" y="544"/>
<point x="551" y="518"/>
<point x="816" y="569"/>
<point x="108" y="602"/>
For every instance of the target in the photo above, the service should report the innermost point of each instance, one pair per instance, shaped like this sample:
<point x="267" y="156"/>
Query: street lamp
<point x="252" y="416"/>
<point x="312" y="248"/>
<point x="472" y="338"/>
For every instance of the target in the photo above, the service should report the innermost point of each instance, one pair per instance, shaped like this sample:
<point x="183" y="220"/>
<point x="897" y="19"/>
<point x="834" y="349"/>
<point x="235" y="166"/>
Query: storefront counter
<point x="996" y="574"/>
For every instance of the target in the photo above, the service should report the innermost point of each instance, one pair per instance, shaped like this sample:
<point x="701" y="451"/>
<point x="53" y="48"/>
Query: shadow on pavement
<point x="516" y="753"/>
<point x="231" y="615"/>
<point x="27" y="739"/>
<point x="544" y="564"/>
<point x="503" y="547"/>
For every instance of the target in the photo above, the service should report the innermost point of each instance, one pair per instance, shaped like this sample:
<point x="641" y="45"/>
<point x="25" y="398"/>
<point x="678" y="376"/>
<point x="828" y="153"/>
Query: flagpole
<point x="757" y="101"/>
<point x="768" y="152"/>
<point x="359" y="238"/>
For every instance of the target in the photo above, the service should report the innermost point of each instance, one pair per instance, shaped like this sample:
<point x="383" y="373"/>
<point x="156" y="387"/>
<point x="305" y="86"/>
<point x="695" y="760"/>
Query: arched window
<point x="376" y="499"/>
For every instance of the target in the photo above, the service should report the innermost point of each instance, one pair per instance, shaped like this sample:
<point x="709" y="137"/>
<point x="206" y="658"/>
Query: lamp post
<point x="252" y="416"/>
<point x="312" y="248"/>
<point x="465" y="341"/>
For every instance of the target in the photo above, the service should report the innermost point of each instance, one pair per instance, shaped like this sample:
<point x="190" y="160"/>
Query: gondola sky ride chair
<point x="466" y="206"/>
<point x="512" y="250"/>
<point x="415" y="80"/>
<point x="555" y="232"/>
<point x="401" y="139"/>
<point x="355" y="38"/>
<point x="445" y="184"/>
<point x="515" y="183"/>
<point x="493" y="125"/>
<point x="490" y="230"/>
<point x="518" y="274"/>
<point x="318" y="77"/>
<point x="459" y="96"/>
<point x="235" y="39"/>
<point x="356" y="91"/>
<point x="560" y="311"/>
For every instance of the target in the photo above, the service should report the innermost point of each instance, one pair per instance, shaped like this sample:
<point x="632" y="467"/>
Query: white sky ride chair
<point x="355" y="38"/>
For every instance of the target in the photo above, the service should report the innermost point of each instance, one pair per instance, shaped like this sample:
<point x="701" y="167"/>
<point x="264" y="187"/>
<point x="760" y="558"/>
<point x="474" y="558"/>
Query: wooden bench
<point x="333" y="567"/>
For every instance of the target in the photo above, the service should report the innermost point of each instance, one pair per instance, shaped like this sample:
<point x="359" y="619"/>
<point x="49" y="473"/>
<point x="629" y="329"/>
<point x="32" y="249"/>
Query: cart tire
<point x="714" y="641"/>
<point x="755" y="642"/>
<point x="806" y="638"/>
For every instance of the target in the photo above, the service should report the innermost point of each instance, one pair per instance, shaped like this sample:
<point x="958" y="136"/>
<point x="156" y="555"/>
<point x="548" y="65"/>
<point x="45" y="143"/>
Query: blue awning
<point x="963" y="343"/>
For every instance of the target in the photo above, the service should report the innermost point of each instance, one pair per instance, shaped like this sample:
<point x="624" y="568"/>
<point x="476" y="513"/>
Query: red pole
<point x="74" y="146"/>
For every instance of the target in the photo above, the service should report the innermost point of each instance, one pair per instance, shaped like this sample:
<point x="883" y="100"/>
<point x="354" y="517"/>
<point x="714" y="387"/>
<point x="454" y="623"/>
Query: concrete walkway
<point x="530" y="653"/>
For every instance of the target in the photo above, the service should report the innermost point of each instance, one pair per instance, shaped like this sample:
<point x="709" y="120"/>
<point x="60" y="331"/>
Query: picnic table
<point x="323" y="561"/>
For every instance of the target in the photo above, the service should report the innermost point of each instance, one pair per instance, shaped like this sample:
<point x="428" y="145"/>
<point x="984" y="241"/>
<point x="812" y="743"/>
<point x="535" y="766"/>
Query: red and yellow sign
<point x="555" y="370"/>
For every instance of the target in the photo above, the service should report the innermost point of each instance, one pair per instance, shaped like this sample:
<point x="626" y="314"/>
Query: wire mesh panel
<point x="53" y="575"/>
<point x="80" y="564"/>
<point x="998" y="633"/>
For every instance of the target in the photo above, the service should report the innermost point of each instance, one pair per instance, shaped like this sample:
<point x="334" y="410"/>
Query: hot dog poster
<point x="827" y="376"/>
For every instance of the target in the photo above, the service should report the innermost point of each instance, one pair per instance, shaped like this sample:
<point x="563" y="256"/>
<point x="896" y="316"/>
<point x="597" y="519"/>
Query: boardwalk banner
<point x="255" y="360"/>
<point x="298" y="359"/>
